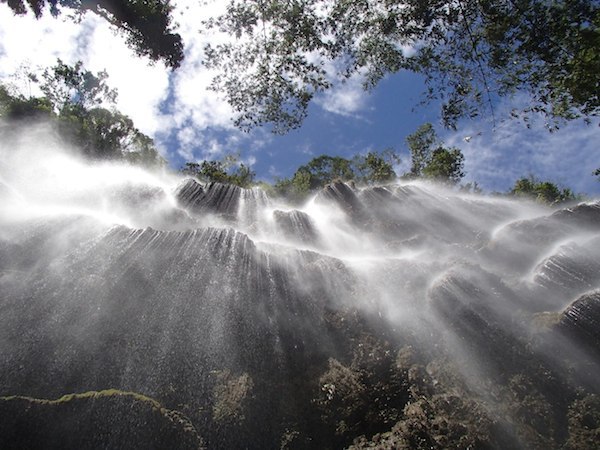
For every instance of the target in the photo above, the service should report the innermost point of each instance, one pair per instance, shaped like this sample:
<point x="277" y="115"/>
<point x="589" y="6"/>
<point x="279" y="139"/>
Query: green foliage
<point x="72" y="104"/>
<point x="430" y="159"/>
<point x="471" y="53"/>
<point x="445" y="165"/>
<point x="295" y="189"/>
<point x="227" y="170"/>
<point x="343" y="396"/>
<point x="230" y="395"/>
<point x="323" y="170"/>
<point x="266" y="74"/>
<point x="584" y="423"/>
<point x="146" y="23"/>
<point x="143" y="152"/>
<point x="420" y="144"/>
<point x="90" y="395"/>
<point x="15" y="107"/>
<point x="96" y="419"/>
<point x="542" y="191"/>
<point x="367" y="395"/>
<point x="73" y="87"/>
<point x="471" y="187"/>
<point x="376" y="167"/>
<point x="97" y="132"/>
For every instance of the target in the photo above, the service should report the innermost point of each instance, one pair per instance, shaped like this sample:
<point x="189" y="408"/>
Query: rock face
<point x="403" y="310"/>
<point x="296" y="226"/>
<point x="106" y="419"/>
<point x="344" y="197"/>
<point x="222" y="199"/>
<point x="583" y="215"/>
<point x="581" y="320"/>
<point x="520" y="244"/>
<point x="570" y="271"/>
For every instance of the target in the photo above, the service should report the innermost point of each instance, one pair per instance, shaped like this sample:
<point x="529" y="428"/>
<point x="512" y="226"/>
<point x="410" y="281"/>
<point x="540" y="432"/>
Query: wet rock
<point x="584" y="215"/>
<point x="518" y="246"/>
<point x="222" y="199"/>
<point x="94" y="420"/>
<point x="296" y="226"/>
<point x="572" y="270"/>
<point x="345" y="197"/>
<point x="581" y="321"/>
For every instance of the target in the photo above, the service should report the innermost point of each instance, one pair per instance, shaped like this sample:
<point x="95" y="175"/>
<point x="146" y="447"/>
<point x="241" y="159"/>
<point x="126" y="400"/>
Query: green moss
<point x="230" y="397"/>
<point x="546" y="320"/>
<point x="584" y="423"/>
<point x="88" y="395"/>
<point x="95" y="419"/>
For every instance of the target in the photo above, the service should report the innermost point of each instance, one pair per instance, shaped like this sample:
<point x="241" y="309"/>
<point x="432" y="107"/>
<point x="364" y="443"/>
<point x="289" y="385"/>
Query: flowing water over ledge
<point x="436" y="319"/>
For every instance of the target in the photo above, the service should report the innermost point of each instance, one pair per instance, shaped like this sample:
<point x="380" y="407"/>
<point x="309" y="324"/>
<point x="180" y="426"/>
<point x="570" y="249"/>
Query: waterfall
<point x="315" y="324"/>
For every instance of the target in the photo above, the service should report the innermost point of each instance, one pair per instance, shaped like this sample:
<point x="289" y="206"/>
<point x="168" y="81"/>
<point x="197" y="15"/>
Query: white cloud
<point x="39" y="42"/>
<point x="193" y="102"/>
<point x="143" y="87"/>
<point x="176" y="108"/>
<point x="347" y="97"/>
<point x="249" y="161"/>
<point x="496" y="158"/>
<point x="274" y="172"/>
<point x="25" y="40"/>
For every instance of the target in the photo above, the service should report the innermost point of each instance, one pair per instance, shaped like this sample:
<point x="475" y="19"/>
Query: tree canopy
<point x="227" y="170"/>
<point x="430" y="159"/>
<point x="80" y="106"/>
<point x="371" y="168"/>
<point x="542" y="191"/>
<point x="471" y="53"/>
<point x="145" y="23"/>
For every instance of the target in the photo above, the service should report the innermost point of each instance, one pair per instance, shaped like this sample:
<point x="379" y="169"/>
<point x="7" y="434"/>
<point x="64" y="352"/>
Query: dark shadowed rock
<point x="94" y="420"/>
<point x="400" y="319"/>
<point x="581" y="321"/>
<point x="474" y="306"/>
<point x="217" y="198"/>
<point x="519" y="245"/>
<point x="572" y="270"/>
<point x="159" y="312"/>
<point x="296" y="226"/>
<point x="224" y="200"/>
<point x="343" y="196"/>
<point x="584" y="215"/>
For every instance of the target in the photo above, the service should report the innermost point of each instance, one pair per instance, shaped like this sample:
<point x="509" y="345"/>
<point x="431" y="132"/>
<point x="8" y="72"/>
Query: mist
<point x="344" y="317"/>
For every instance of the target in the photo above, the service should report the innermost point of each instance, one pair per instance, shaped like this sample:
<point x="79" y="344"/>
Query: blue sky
<point x="190" y="123"/>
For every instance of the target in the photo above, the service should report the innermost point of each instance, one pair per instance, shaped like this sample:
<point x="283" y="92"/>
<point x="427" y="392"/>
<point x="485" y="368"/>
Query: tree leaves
<point x="430" y="159"/>
<point x="542" y="191"/>
<point x="70" y="86"/>
<point x="471" y="53"/>
<point x="145" y="23"/>
<point x="80" y="106"/>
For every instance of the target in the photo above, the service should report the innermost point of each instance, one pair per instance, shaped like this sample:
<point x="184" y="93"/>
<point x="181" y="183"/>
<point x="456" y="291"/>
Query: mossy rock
<point x="92" y="420"/>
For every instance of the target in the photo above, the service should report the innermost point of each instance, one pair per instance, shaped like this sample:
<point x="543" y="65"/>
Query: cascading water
<point x="440" y="319"/>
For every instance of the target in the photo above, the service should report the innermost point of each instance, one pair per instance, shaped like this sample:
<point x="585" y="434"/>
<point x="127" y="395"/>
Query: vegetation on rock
<point x="542" y="191"/>
<point x="228" y="170"/>
<point x="92" y="420"/>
